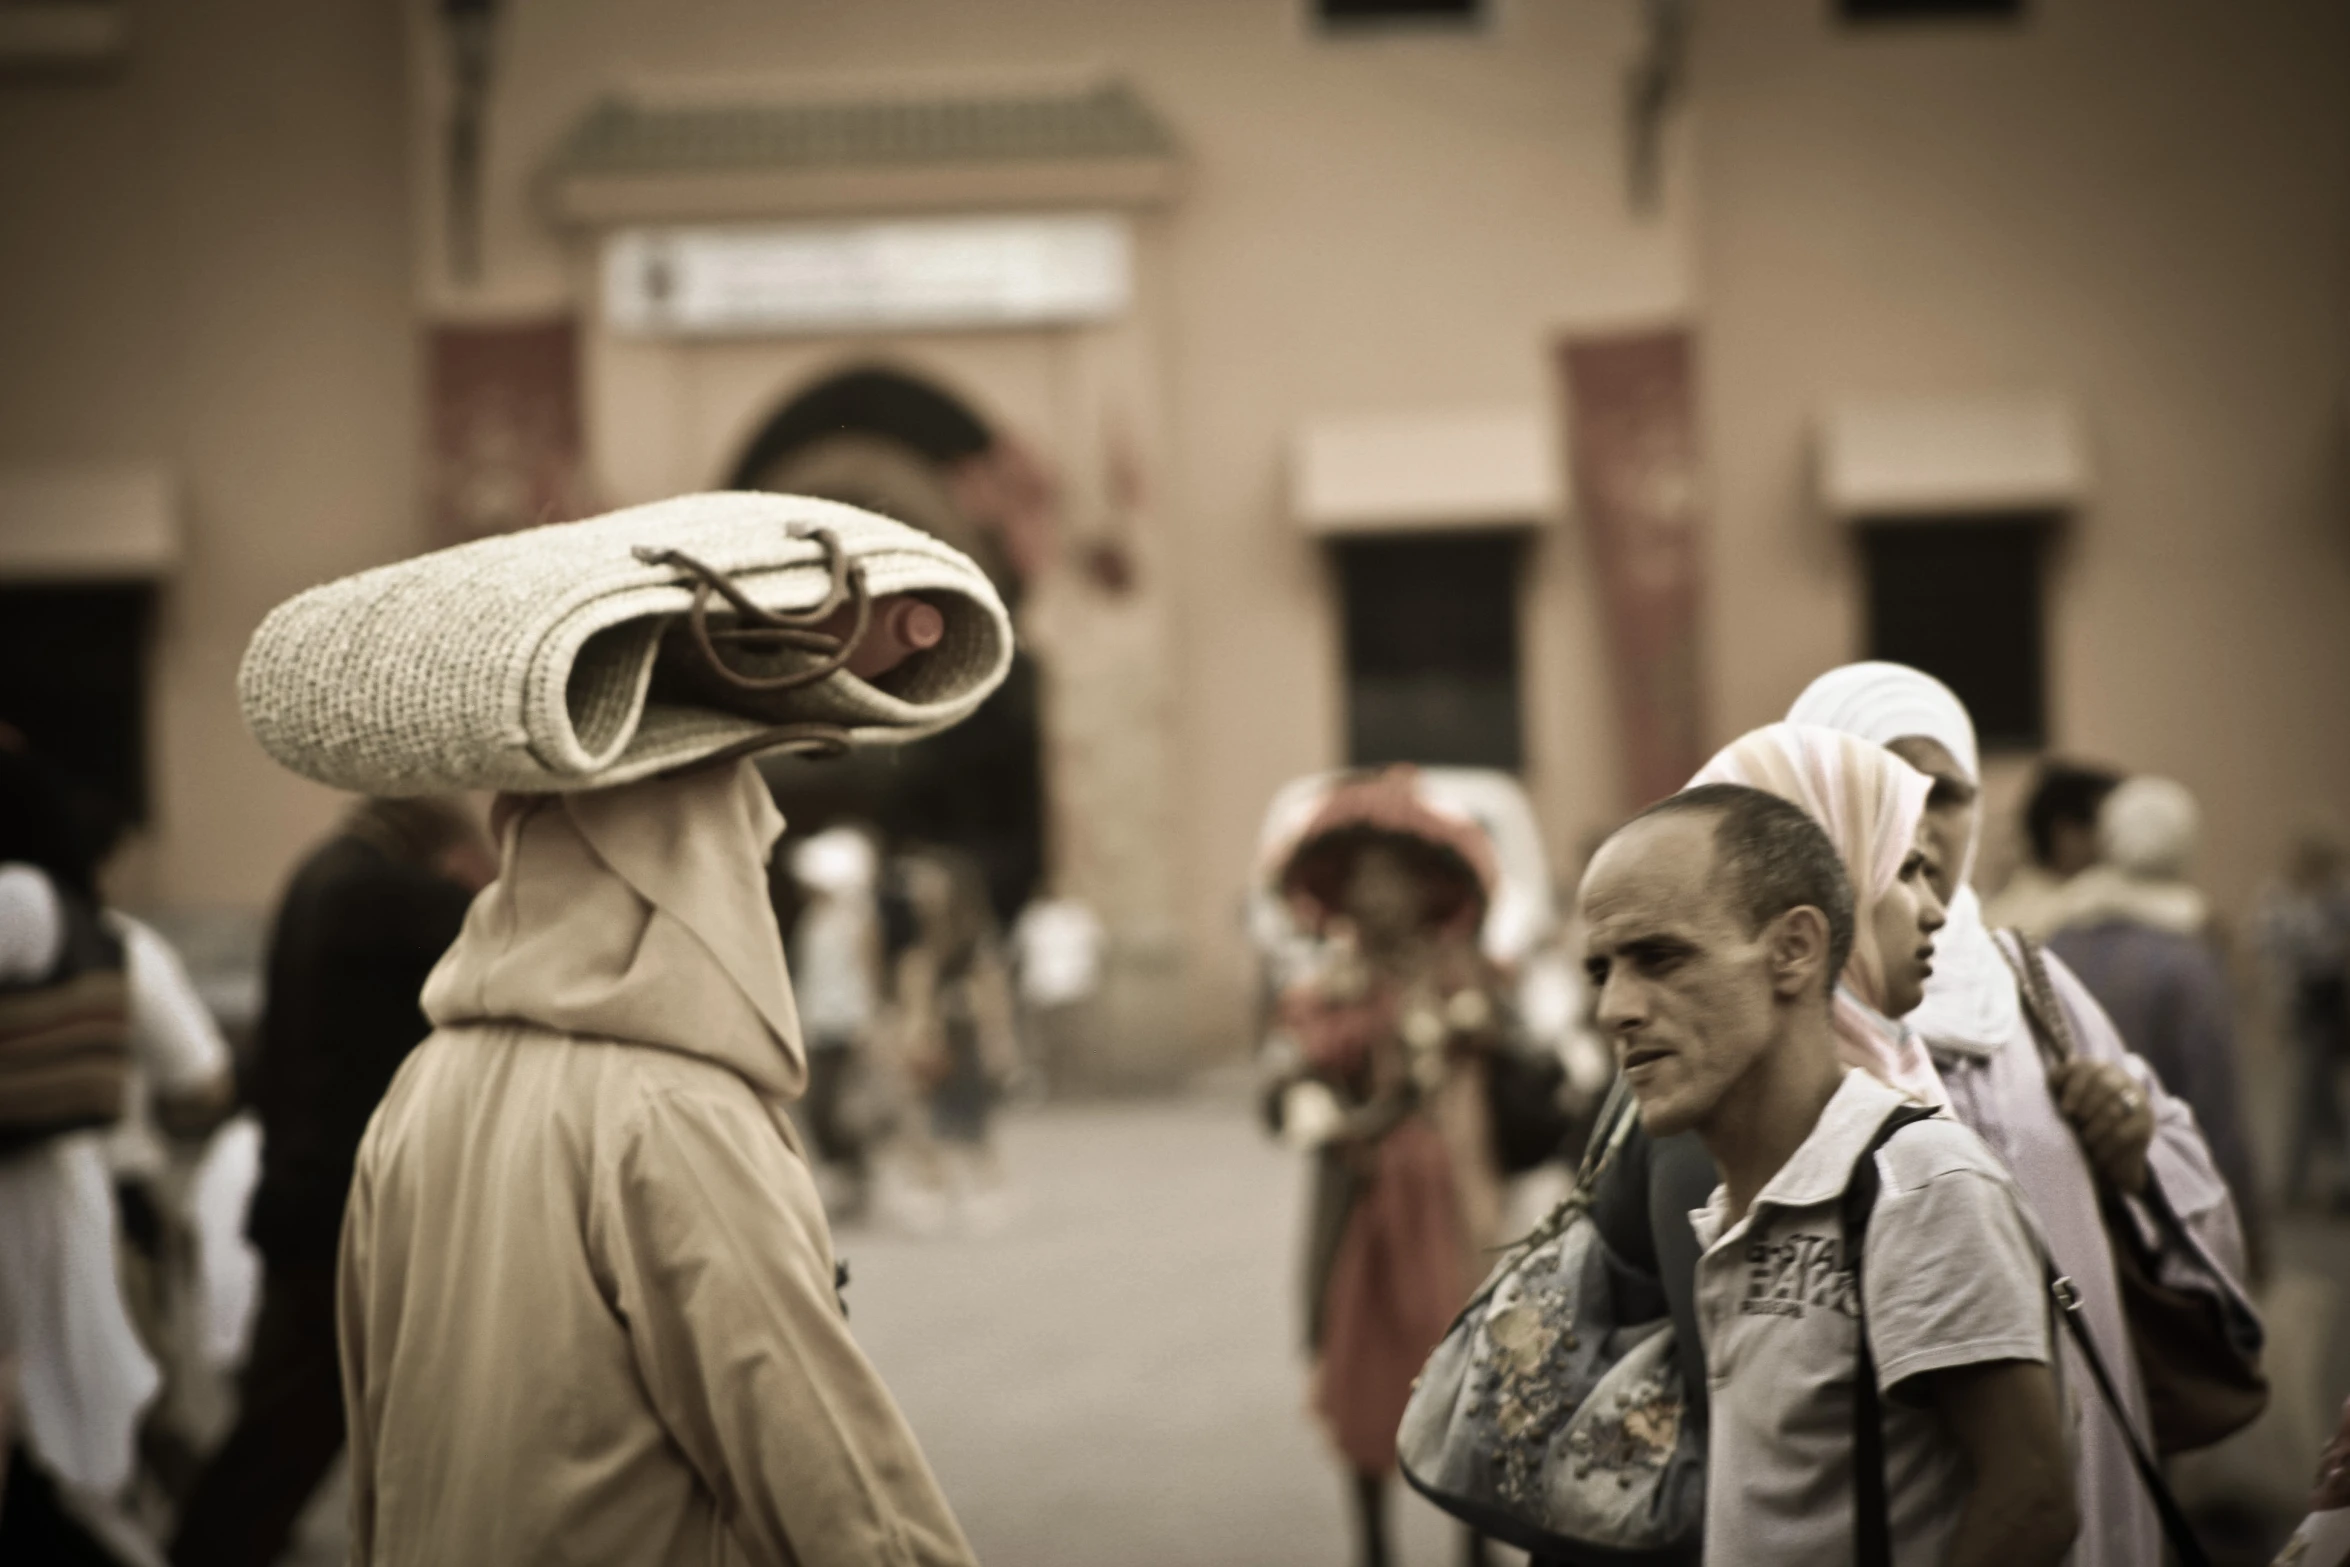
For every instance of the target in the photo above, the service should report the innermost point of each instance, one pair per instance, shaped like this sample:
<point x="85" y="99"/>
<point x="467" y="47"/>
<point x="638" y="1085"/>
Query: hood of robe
<point x="638" y="914"/>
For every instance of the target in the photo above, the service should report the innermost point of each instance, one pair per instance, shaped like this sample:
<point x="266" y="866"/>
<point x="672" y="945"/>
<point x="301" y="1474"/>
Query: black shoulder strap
<point x="2027" y="959"/>
<point x="1872" y="1517"/>
<point x="1872" y="1521"/>
<point x="2175" y="1527"/>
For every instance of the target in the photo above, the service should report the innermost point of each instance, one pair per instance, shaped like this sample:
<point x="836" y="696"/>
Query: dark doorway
<point x="73" y="683"/>
<point x="1961" y="599"/>
<point x="1930" y="10"/>
<point x="889" y="442"/>
<point x="1431" y="641"/>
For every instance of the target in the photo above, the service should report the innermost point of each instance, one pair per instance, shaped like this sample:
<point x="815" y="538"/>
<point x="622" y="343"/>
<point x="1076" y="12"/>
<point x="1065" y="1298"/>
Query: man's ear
<point x="1796" y="947"/>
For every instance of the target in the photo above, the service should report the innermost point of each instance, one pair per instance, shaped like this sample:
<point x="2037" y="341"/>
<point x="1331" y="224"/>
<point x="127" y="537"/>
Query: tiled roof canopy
<point x="628" y="162"/>
<point x="623" y="139"/>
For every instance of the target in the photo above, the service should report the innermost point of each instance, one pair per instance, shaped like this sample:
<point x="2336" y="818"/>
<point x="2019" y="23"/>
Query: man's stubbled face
<point x="1685" y="992"/>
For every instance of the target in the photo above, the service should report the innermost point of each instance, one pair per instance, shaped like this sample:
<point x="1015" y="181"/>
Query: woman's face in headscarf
<point x="1950" y="810"/>
<point x="1904" y="921"/>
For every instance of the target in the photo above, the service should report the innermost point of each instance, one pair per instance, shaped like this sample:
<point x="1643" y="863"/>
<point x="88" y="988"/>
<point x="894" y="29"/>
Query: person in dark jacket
<point x="364" y="920"/>
<point x="2140" y="936"/>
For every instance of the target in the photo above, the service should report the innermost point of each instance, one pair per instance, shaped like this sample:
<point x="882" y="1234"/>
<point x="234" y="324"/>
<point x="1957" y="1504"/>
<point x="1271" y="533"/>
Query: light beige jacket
<point x="587" y="1301"/>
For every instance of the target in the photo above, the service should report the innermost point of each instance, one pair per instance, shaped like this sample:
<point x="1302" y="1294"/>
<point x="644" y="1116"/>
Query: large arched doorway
<point x="890" y="442"/>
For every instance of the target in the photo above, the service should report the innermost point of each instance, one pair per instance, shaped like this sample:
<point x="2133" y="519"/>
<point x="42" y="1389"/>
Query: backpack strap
<point x="1872" y="1517"/>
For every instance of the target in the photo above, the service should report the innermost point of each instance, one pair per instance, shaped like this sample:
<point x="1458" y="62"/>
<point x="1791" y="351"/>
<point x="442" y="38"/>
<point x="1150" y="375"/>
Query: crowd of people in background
<point x="178" y="1226"/>
<point x="2072" y="1040"/>
<point x="171" y="1380"/>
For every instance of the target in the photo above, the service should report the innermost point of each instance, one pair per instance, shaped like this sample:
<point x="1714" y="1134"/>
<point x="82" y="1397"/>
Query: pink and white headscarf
<point x="1972" y="995"/>
<point x="1870" y="802"/>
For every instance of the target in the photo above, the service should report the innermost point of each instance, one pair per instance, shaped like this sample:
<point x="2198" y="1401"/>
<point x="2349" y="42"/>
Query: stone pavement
<point x="1114" y="1376"/>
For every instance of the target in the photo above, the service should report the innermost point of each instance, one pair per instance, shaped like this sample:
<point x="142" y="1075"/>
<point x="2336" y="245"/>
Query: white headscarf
<point x="1972" y="994"/>
<point x="1869" y="801"/>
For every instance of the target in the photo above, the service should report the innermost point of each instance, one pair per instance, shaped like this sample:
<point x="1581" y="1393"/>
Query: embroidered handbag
<point x="1544" y="1422"/>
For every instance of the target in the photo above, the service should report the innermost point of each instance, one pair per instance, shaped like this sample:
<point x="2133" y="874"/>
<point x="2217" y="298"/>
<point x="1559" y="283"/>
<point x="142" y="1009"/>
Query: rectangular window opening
<point x="73" y="685"/>
<point x="1930" y="10"/>
<point x="1961" y="598"/>
<point x="1367" y="15"/>
<point x="1431" y="644"/>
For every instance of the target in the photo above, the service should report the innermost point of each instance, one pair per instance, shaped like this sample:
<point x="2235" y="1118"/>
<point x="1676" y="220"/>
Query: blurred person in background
<point x="182" y="1088"/>
<point x="2060" y="838"/>
<point x="1057" y="958"/>
<point x="2303" y="929"/>
<point x="2323" y="1540"/>
<point x="957" y="1037"/>
<point x="835" y="967"/>
<point x="361" y="924"/>
<point x="1382" y="1078"/>
<point x="98" y="1031"/>
<point x="2137" y="933"/>
<point x="2099" y="1123"/>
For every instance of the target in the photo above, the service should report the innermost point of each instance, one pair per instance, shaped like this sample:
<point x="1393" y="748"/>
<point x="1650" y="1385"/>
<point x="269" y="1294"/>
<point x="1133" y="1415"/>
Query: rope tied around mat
<point x="800" y="630"/>
<point x="796" y="629"/>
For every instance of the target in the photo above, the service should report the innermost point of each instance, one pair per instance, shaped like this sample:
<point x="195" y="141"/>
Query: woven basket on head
<point x="563" y="657"/>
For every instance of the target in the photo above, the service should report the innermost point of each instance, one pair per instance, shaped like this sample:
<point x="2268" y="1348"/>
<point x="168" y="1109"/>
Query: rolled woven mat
<point x="586" y="654"/>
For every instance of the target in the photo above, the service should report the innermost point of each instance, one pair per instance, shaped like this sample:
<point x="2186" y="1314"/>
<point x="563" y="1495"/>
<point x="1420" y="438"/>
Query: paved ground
<point x="1113" y="1377"/>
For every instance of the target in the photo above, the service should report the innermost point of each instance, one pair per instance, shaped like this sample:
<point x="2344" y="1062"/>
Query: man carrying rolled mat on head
<point x="588" y="1296"/>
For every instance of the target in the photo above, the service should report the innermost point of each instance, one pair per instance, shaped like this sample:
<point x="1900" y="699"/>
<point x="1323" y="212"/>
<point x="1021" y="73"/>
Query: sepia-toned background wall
<point x="225" y="258"/>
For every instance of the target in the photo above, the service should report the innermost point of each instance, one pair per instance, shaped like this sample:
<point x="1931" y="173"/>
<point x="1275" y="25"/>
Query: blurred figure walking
<point x="1385" y="1083"/>
<point x="835" y="968"/>
<point x="81" y="1379"/>
<point x="2137" y="933"/>
<point x="109" y="1067"/>
<point x="957" y="1037"/>
<point x="1057" y="957"/>
<point x="2060" y="835"/>
<point x="362" y="923"/>
<point x="2304" y="930"/>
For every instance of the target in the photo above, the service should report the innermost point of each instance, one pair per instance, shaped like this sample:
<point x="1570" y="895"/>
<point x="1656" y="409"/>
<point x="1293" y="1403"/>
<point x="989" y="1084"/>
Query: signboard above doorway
<point x="927" y="273"/>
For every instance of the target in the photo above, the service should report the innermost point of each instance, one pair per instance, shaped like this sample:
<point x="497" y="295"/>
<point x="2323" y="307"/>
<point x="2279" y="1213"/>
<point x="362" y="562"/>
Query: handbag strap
<point x="2055" y="1034"/>
<point x="2052" y="1028"/>
<point x="1618" y="1114"/>
<point x="2175" y="1527"/>
<point x="1872" y="1513"/>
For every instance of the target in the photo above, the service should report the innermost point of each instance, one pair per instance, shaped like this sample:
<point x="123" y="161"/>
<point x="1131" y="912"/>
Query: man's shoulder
<point x="1937" y="1146"/>
<point x="650" y="1090"/>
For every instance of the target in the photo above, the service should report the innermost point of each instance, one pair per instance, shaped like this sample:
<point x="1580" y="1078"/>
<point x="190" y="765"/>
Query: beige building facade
<point x="1341" y="265"/>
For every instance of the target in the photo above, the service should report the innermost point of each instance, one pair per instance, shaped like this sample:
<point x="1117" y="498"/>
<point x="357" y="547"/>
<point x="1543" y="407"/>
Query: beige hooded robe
<point x="588" y="1311"/>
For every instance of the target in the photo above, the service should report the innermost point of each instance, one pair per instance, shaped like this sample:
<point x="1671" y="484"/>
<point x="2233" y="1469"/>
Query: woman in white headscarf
<point x="2103" y="1115"/>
